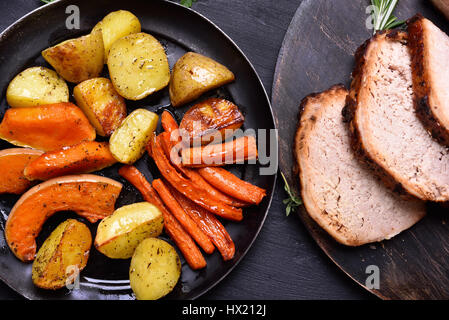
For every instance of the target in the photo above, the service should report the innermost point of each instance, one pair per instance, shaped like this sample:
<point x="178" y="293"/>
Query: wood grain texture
<point x="285" y="262"/>
<point x="317" y="53"/>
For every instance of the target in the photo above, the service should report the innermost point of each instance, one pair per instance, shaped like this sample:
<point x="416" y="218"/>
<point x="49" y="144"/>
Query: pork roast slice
<point x="339" y="192"/>
<point x="430" y="67"/>
<point x="386" y="130"/>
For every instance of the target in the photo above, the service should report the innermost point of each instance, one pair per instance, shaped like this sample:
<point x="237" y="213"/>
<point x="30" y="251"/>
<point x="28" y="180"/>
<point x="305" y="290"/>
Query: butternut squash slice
<point x="12" y="163"/>
<point x="92" y="197"/>
<point x="85" y="157"/>
<point x="46" y="128"/>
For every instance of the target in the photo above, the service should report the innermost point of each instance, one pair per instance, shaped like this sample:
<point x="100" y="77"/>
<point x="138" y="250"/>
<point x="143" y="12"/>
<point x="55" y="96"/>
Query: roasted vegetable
<point x="138" y="66"/>
<point x="208" y="223"/>
<point x="175" y="231"/>
<point x="211" y="119"/>
<point x="228" y="183"/>
<point x="119" y="234"/>
<point x="234" y="151"/>
<point x="84" y="157"/>
<point x="77" y="59"/>
<point x="155" y="269"/>
<point x="104" y="107"/>
<point x="187" y="188"/>
<point x="195" y="74"/>
<point x="62" y="256"/>
<point x="116" y="25"/>
<point x="128" y="142"/>
<point x="36" y="86"/>
<point x="12" y="163"/>
<point x="46" y="128"/>
<point x="184" y="219"/>
<point x="92" y="197"/>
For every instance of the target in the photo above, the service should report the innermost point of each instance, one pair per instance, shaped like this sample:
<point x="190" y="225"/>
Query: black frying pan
<point x="179" y="30"/>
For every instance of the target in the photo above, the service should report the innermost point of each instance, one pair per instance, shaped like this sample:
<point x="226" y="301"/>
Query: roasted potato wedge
<point x="62" y="256"/>
<point x="193" y="75"/>
<point x="127" y="143"/>
<point x="138" y="66"/>
<point x="78" y="59"/>
<point x="116" y="25"/>
<point x="103" y="106"/>
<point x="36" y="86"/>
<point x="155" y="269"/>
<point x="205" y="120"/>
<point x="119" y="234"/>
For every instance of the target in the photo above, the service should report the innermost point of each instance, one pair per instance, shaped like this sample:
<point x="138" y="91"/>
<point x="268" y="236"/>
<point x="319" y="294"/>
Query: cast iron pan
<point x="179" y="30"/>
<point x="317" y="53"/>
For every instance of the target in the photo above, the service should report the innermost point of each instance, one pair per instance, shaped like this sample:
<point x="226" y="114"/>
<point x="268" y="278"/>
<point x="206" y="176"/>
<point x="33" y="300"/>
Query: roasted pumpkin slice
<point x="92" y="197"/>
<point x="46" y="128"/>
<point x="12" y="163"/>
<point x="85" y="157"/>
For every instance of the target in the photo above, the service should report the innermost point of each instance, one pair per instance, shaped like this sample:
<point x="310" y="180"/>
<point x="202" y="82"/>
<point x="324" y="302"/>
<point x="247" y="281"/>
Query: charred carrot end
<point x="174" y="230"/>
<point x="186" y="187"/>
<point x="228" y="183"/>
<point x="85" y="157"/>
<point x="209" y="224"/>
<point x="235" y="151"/>
<point x="184" y="219"/>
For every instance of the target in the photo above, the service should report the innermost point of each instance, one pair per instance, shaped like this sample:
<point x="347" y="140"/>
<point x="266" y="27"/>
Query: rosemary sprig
<point x="293" y="201"/>
<point x="187" y="3"/>
<point x="383" y="17"/>
<point x="47" y="1"/>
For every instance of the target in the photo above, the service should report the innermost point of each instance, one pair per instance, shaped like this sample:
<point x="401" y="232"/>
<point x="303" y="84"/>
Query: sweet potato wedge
<point x="210" y="118"/>
<point x="12" y="163"/>
<point x="92" y="197"/>
<point x="46" y="128"/>
<point x="235" y="151"/>
<point x="85" y="157"/>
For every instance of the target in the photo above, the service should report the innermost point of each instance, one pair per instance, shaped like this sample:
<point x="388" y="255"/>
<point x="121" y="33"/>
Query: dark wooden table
<point x="284" y="263"/>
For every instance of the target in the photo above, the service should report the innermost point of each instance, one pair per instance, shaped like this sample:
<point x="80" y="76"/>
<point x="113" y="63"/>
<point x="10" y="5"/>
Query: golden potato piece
<point x="36" y="86"/>
<point x="103" y="106"/>
<point x="204" y="120"/>
<point x="193" y="75"/>
<point x="127" y="143"/>
<point x="119" y="234"/>
<point x="138" y="66"/>
<point x="155" y="269"/>
<point x="116" y="25"/>
<point x="78" y="59"/>
<point x="62" y="256"/>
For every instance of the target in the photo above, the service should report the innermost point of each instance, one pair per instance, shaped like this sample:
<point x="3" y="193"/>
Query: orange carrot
<point x="235" y="151"/>
<point x="174" y="230"/>
<point x="186" y="187"/>
<point x="169" y="124"/>
<point x="208" y="223"/>
<point x="84" y="157"/>
<point x="184" y="219"/>
<point x="228" y="183"/>
<point x="12" y="163"/>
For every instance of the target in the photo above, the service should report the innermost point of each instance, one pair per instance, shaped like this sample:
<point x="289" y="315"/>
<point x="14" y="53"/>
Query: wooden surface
<point x="285" y="262"/>
<point x="318" y="53"/>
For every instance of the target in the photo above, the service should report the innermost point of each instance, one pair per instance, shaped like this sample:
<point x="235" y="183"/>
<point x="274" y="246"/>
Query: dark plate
<point x="179" y="29"/>
<point x="317" y="53"/>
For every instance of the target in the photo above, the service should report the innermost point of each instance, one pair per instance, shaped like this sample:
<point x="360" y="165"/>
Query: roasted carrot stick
<point x="85" y="157"/>
<point x="187" y="188"/>
<point x="184" y="219"/>
<point x="208" y="223"/>
<point x="174" y="230"/>
<point x="196" y="178"/>
<point x="228" y="183"/>
<point x="235" y="151"/>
